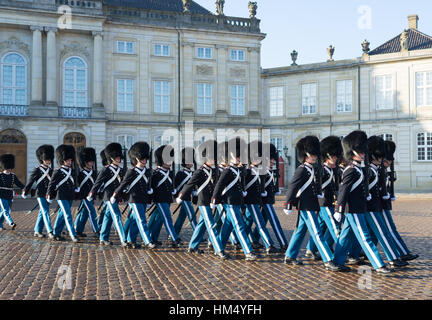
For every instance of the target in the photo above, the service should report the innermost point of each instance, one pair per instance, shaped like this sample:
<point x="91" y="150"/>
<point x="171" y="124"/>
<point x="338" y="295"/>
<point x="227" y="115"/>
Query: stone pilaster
<point x="98" y="108"/>
<point x="222" y="90"/>
<point x="187" y="106"/>
<point x="254" y="79"/>
<point x="36" y="70"/>
<point x="51" y="65"/>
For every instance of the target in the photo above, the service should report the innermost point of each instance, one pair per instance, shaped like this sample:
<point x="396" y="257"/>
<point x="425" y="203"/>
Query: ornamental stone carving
<point x="7" y="123"/>
<point x="219" y="7"/>
<point x="365" y="46"/>
<point x="252" y="9"/>
<point x="330" y="52"/>
<point x="404" y="40"/>
<point x="15" y="44"/>
<point x="186" y="5"/>
<point x="204" y="70"/>
<point x="74" y="48"/>
<point x="237" y="73"/>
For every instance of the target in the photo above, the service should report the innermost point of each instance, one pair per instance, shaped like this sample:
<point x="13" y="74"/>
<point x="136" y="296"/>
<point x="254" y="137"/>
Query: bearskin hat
<point x="112" y="151"/>
<point x="164" y="154"/>
<point x="255" y="151"/>
<point x="64" y="152"/>
<point x="187" y="155"/>
<point x="237" y="148"/>
<point x="140" y="150"/>
<point x="208" y="150"/>
<point x="86" y="155"/>
<point x="390" y="147"/>
<point x="376" y="148"/>
<point x="331" y="146"/>
<point x="45" y="152"/>
<point x="7" y="161"/>
<point x="307" y="145"/>
<point x="355" y="141"/>
<point x="103" y="158"/>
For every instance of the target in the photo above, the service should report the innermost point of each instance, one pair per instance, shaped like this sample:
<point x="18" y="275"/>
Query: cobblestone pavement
<point x="35" y="269"/>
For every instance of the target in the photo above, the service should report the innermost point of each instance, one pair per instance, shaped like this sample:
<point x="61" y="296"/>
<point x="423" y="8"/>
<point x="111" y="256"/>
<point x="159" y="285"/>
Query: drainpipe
<point x="358" y="95"/>
<point x="179" y="90"/>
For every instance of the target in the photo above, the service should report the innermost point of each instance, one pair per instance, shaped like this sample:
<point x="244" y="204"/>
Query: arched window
<point x="75" y="83"/>
<point x="386" y="136"/>
<point x="15" y="142"/>
<point x="13" y="80"/>
<point x="76" y="139"/>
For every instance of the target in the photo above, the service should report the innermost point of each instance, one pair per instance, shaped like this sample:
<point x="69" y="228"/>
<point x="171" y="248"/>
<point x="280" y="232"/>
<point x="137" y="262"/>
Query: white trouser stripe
<point x="393" y="235"/>
<point x="239" y="234"/>
<point x="44" y="214"/>
<point x="114" y="217"/>
<point x="65" y="218"/>
<point x="275" y="225"/>
<point x="332" y="222"/>
<point x="317" y="236"/>
<point x="205" y="214"/>
<point x="259" y="225"/>
<point x="4" y="213"/>
<point x="134" y="207"/>
<point x="359" y="228"/>
<point x="89" y="216"/>
<point x="382" y="235"/>
<point x="166" y="222"/>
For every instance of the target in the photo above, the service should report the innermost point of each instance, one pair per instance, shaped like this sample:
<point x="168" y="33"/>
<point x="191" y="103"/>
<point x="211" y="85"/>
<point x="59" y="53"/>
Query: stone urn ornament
<point x="219" y="7"/>
<point x="404" y="40"/>
<point x="186" y="5"/>
<point x="365" y="46"/>
<point x="294" y="56"/>
<point x="330" y="52"/>
<point x="252" y="9"/>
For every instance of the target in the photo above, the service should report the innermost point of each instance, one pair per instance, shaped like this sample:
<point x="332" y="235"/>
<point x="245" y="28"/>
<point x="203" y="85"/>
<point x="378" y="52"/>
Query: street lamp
<point x="285" y="150"/>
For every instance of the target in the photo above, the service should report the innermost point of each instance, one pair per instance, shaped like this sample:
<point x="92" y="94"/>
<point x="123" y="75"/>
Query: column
<point x="36" y="70"/>
<point x="254" y="81"/>
<point x="187" y="103"/>
<point x="222" y="93"/>
<point x="97" y="69"/>
<point x="51" y="65"/>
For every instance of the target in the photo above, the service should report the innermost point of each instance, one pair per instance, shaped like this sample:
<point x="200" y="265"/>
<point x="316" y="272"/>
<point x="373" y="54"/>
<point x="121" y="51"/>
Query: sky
<point x="310" y="26"/>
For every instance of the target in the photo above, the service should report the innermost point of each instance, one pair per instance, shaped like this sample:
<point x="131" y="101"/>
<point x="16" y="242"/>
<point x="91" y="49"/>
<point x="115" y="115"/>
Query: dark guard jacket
<point x="42" y="187"/>
<point x="163" y="192"/>
<point x="255" y="189"/>
<point x="65" y="191"/>
<point x="352" y="201"/>
<point x="308" y="199"/>
<point x="377" y="188"/>
<point x="104" y="176"/>
<point x="233" y="195"/>
<point x="180" y="180"/>
<point x="7" y="181"/>
<point x="199" y="180"/>
<point x="85" y="186"/>
<point x="138" y="192"/>
<point x="268" y="181"/>
<point x="329" y="187"/>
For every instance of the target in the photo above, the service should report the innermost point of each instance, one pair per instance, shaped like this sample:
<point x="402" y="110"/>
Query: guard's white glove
<point x="24" y="196"/>
<point x="77" y="189"/>
<point x="277" y="193"/>
<point x="212" y="205"/>
<point x="178" y="200"/>
<point x="49" y="200"/>
<point x="337" y="216"/>
<point x="264" y="194"/>
<point x="321" y="196"/>
<point x="369" y="197"/>
<point x="287" y="212"/>
<point x="174" y="192"/>
<point x="89" y="198"/>
<point x="386" y="197"/>
<point x="194" y="193"/>
<point x="150" y="191"/>
<point x="393" y="198"/>
<point x="113" y="200"/>
<point x="244" y="193"/>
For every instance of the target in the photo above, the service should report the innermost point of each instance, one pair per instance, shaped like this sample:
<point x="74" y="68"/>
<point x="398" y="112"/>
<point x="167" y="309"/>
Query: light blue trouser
<point x="87" y="209"/>
<point x="138" y="223"/>
<point x="355" y="229"/>
<point x="235" y="221"/>
<point x="112" y="213"/>
<point x="328" y="226"/>
<point x="185" y="210"/>
<point x="162" y="215"/>
<point x="101" y="216"/>
<point x="269" y="214"/>
<point x="254" y="215"/>
<point x="400" y="244"/>
<point x="5" y="212"/>
<point x="205" y="222"/>
<point x="64" y="215"/>
<point x="220" y="211"/>
<point x="308" y="220"/>
<point x="43" y="218"/>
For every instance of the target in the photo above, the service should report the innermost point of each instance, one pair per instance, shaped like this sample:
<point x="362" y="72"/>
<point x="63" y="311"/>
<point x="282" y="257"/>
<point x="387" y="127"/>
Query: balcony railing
<point x="74" y="112"/>
<point x="13" y="110"/>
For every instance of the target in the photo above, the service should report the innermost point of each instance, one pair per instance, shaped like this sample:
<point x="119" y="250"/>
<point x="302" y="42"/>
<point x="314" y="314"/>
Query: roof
<point x="416" y="41"/>
<point x="163" y="5"/>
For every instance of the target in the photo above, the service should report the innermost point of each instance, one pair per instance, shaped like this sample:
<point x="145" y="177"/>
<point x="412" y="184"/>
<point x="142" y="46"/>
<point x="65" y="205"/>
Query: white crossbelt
<point x="237" y="173"/>
<point x="209" y="176"/>
<point x="68" y="176"/>
<point x="141" y="175"/>
<point x="374" y="182"/>
<point x="327" y="182"/>
<point x="255" y="178"/>
<point x="270" y="179"/>
<point x="45" y="174"/>
<point x="359" y="181"/>
<point x="88" y="175"/>
<point x="116" y="176"/>
<point x="308" y="182"/>
<point x="186" y="179"/>
<point x="166" y="176"/>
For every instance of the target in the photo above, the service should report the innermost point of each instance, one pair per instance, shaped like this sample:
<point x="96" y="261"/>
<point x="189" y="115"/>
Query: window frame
<point x="424" y="88"/>
<point x="75" y="90"/>
<point x="162" y="95"/>
<point x="205" y="84"/>
<point x="385" y="90"/>
<point x="316" y="99"/>
<point x="14" y="87"/>
<point x="125" y="47"/>
<point x="345" y="95"/>
<point x="204" y="55"/>
<point x="162" y="51"/>
<point x="427" y="147"/>
<point x="237" y="99"/>
<point x="280" y="100"/>
<point x="124" y="142"/>
<point x="125" y="95"/>
<point x="237" y="59"/>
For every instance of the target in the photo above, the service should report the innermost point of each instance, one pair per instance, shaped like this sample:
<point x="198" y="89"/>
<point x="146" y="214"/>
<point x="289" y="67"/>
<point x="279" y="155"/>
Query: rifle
<point x="277" y="171"/>
<point x="34" y="208"/>
<point x="392" y="176"/>
<point x="366" y="173"/>
<point x="55" y="211"/>
<point x="319" y="173"/>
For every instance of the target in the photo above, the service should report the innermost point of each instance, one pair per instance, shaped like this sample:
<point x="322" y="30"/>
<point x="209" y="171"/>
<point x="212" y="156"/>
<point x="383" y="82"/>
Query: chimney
<point x="413" y="21"/>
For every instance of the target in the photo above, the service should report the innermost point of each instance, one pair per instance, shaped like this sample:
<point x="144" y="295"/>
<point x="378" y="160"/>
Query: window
<point x="386" y="136"/>
<point x="204" y="98"/>
<point x="384" y="92"/>
<point x="126" y="140"/>
<point x="309" y="98"/>
<point x="162" y="50"/>
<point x="75" y="83"/>
<point x="13" y="80"/>
<point x="237" y="55"/>
<point x="276" y="101"/>
<point x="344" y="96"/>
<point x="126" y="47"/>
<point x="424" y="88"/>
<point x="162" y="96"/>
<point x="237" y="94"/>
<point x="204" y="53"/>
<point x="424" y="146"/>
<point x="125" y="95"/>
<point x="278" y="144"/>
<point x="158" y="141"/>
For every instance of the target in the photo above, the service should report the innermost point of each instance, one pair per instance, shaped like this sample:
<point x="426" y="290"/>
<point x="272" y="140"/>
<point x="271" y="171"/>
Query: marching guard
<point x="38" y="183"/>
